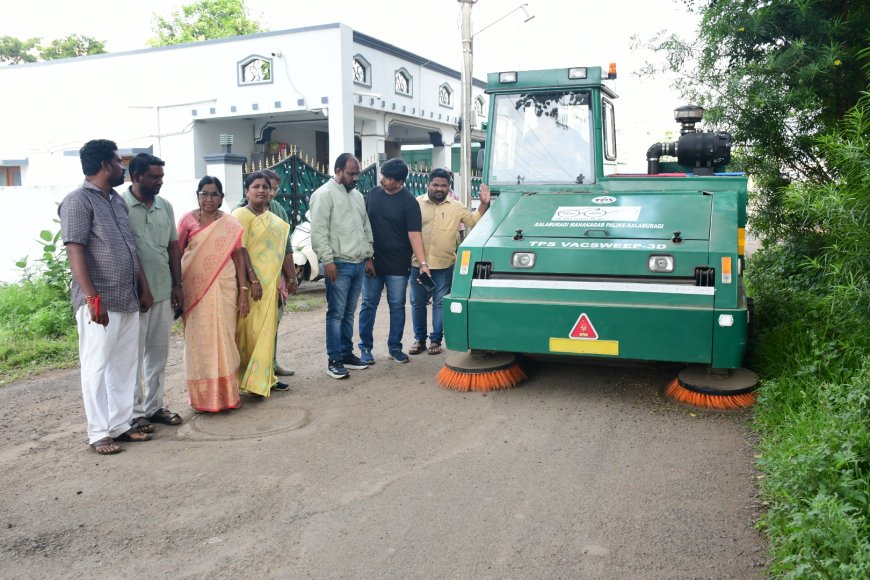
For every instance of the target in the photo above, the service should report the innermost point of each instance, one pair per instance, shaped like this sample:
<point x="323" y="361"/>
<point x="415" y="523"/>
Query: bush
<point x="812" y="295"/>
<point x="37" y="327"/>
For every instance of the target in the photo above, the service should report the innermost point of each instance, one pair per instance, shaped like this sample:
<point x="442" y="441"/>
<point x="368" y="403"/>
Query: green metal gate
<point x="299" y="179"/>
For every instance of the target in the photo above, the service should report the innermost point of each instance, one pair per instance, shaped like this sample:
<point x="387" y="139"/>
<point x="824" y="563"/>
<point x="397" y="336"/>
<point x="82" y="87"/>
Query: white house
<point x="323" y="89"/>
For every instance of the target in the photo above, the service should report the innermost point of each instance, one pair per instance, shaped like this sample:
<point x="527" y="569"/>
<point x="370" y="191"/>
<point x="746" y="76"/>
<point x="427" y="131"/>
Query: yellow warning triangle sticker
<point x="583" y="329"/>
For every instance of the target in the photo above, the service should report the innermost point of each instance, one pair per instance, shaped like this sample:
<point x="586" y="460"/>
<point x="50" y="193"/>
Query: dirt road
<point x="581" y="472"/>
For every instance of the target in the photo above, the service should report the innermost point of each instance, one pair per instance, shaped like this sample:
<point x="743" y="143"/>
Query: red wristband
<point x="95" y="302"/>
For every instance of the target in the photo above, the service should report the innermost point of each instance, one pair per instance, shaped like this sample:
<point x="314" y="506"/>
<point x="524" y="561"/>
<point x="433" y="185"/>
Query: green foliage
<point x="777" y="74"/>
<point x="15" y="51"/>
<point x="71" y="46"/>
<point x="37" y="328"/>
<point x="204" y="20"/>
<point x="53" y="266"/>
<point x="812" y="293"/>
<point x="817" y="460"/>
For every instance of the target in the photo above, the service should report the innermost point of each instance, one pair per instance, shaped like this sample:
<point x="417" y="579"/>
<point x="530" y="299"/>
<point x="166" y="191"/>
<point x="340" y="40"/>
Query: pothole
<point x="253" y="420"/>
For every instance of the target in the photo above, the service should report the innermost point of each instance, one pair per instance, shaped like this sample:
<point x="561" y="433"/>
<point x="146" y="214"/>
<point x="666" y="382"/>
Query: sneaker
<point x="399" y="356"/>
<point x="353" y="362"/>
<point x="279" y="386"/>
<point x="365" y="356"/>
<point x="336" y="370"/>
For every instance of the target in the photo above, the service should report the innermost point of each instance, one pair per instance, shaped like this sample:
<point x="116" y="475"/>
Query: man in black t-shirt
<point x="396" y="227"/>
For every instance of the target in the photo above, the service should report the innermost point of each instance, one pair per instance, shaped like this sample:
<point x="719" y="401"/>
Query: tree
<point x="14" y="50"/>
<point x="204" y="20"/>
<point x="71" y="46"/>
<point x="777" y="74"/>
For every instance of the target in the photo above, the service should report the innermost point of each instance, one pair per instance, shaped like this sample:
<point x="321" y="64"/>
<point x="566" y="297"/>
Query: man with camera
<point x="441" y="218"/>
<point x="395" y="218"/>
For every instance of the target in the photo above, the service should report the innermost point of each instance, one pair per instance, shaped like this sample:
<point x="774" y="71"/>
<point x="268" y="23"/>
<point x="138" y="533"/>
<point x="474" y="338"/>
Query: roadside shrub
<point x="37" y="327"/>
<point x="812" y="295"/>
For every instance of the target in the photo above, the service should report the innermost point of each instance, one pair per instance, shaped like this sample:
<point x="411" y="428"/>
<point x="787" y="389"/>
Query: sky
<point x="561" y="34"/>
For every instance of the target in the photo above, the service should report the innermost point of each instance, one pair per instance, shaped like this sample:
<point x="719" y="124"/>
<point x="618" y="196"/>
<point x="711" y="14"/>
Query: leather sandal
<point x="142" y="424"/>
<point x="105" y="446"/>
<point x="418" y="347"/>
<point x="133" y="436"/>
<point x="435" y="348"/>
<point x="166" y="417"/>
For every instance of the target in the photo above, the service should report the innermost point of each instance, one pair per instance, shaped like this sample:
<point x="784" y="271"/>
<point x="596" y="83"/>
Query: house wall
<point x="176" y="102"/>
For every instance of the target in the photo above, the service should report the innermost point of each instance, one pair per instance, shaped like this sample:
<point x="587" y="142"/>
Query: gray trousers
<point x="154" y="327"/>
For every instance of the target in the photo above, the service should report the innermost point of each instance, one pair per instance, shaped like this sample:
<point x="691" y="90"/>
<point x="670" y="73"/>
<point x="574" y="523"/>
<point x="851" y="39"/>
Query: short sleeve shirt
<point x="392" y="217"/>
<point x="153" y="228"/>
<point x="102" y="226"/>
<point x="439" y="229"/>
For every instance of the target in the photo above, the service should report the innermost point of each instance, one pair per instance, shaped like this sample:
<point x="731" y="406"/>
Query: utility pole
<point x="467" y="110"/>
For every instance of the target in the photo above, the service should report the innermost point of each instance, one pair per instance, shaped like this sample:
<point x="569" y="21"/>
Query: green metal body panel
<point x="592" y="245"/>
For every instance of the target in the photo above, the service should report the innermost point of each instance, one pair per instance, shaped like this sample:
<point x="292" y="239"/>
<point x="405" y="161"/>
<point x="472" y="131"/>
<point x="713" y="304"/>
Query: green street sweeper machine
<point x="577" y="259"/>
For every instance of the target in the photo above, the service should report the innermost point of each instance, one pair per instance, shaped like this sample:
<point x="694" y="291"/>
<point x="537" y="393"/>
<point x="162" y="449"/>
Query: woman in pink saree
<point x="213" y="273"/>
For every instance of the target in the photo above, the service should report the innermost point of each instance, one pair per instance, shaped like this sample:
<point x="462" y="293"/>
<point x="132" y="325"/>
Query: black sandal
<point x="142" y="424"/>
<point x="418" y="347"/>
<point x="133" y="436"/>
<point x="166" y="417"/>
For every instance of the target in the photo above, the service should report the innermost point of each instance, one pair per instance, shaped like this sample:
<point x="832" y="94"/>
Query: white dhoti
<point x="108" y="369"/>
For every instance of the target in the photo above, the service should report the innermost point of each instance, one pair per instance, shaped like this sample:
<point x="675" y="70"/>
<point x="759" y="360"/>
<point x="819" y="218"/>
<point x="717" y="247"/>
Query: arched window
<point x="445" y="96"/>
<point x="403" y="83"/>
<point x="480" y="106"/>
<point x="362" y="71"/>
<point x="255" y="70"/>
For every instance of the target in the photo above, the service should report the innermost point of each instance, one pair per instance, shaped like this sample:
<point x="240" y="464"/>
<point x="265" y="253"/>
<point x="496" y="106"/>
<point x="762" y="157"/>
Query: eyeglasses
<point x="209" y="194"/>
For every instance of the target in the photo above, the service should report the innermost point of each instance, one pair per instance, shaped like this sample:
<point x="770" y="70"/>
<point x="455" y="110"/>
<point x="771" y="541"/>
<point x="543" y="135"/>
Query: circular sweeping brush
<point x="701" y="387"/>
<point x="481" y="372"/>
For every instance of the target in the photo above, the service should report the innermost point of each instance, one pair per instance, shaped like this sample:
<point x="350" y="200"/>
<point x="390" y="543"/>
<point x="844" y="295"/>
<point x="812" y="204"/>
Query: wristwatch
<point x="424" y="263"/>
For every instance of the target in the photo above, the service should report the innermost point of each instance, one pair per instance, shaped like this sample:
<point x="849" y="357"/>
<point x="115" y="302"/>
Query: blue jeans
<point x="341" y="298"/>
<point x="443" y="279"/>
<point x="397" y="288"/>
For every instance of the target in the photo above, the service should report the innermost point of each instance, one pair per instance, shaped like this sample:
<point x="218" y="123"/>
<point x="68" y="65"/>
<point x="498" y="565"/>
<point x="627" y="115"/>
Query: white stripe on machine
<point x="596" y="286"/>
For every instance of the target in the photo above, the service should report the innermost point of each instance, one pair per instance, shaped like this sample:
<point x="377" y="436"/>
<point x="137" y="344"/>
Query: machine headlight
<point x="577" y="72"/>
<point x="661" y="263"/>
<point x="523" y="260"/>
<point x="507" y="77"/>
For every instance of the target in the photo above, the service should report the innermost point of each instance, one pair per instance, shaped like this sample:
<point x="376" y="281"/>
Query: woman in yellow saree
<point x="269" y="256"/>
<point x="212" y="271"/>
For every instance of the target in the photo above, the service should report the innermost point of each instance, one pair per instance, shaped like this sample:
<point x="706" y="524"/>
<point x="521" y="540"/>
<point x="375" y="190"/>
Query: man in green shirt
<point x="153" y="223"/>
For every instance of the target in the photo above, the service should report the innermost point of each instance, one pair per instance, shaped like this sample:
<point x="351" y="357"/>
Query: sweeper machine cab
<point x="576" y="259"/>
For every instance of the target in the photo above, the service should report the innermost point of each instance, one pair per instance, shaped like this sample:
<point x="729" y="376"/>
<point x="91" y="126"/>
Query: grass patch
<point x="21" y="358"/>
<point x="37" y="330"/>
<point x="304" y="302"/>
<point x="37" y="327"/>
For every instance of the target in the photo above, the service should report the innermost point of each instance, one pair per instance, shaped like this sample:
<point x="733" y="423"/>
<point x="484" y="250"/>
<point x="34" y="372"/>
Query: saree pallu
<point x="265" y="238"/>
<point x="211" y="358"/>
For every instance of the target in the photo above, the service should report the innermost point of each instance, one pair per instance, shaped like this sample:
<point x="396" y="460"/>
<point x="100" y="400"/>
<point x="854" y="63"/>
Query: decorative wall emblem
<point x="255" y="70"/>
<point x="361" y="71"/>
<point x="480" y="106"/>
<point x="445" y="96"/>
<point x="403" y="82"/>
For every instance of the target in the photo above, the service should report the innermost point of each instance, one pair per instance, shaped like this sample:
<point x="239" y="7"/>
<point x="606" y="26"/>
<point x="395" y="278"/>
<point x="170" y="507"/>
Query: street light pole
<point x="465" y="129"/>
